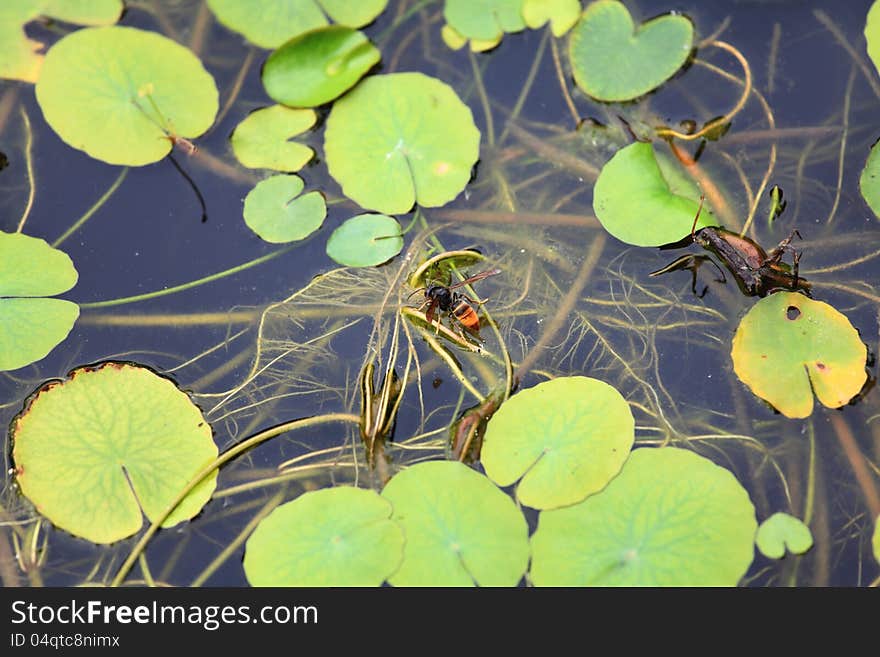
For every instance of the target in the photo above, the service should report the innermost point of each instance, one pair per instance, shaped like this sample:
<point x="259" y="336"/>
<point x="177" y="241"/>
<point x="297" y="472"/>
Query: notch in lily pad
<point x="365" y="240"/>
<point x="111" y="443"/>
<point x="670" y="518"/>
<point x="562" y="440"/>
<point x="561" y="14"/>
<point x="276" y="212"/>
<point x="342" y="536"/>
<point x="612" y="60"/>
<point x="782" y="531"/>
<point x="461" y="530"/>
<point x="482" y="22"/>
<point x="315" y="67"/>
<point x="31" y="325"/>
<point x="262" y="139"/>
<point x="788" y="347"/>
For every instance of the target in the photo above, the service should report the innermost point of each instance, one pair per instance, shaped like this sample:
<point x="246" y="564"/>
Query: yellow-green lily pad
<point x="112" y="442"/>
<point x="120" y="93"/>
<point x="275" y="211"/>
<point x="460" y="529"/>
<point x="31" y="325"/>
<point x="670" y="518"/>
<point x="781" y="531"/>
<point x="483" y="22"/>
<point x="872" y="34"/>
<point x="875" y="539"/>
<point x="341" y="536"/>
<point x="612" y="60"/>
<point x="869" y="180"/>
<point x="788" y="347"/>
<point x="400" y="139"/>
<point x="562" y="14"/>
<point x="261" y="140"/>
<point x="365" y="240"/>
<point x="562" y="440"/>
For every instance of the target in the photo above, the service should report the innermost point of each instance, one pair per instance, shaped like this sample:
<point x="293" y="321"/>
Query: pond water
<point x="271" y="342"/>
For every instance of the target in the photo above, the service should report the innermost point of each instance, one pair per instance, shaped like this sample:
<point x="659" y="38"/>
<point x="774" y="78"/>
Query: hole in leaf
<point x="792" y="312"/>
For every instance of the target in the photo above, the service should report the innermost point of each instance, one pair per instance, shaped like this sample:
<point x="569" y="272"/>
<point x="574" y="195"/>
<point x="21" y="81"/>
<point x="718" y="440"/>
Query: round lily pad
<point x="269" y="23"/>
<point x="781" y="531"/>
<point x="95" y="452"/>
<point x="315" y="67"/>
<point x="643" y="203"/>
<point x="341" y="536"/>
<point x="118" y="93"/>
<point x="275" y="211"/>
<point x="260" y="141"/>
<point x="400" y="139"/>
<point x="365" y="240"/>
<point x="566" y="438"/>
<point x="30" y="325"/>
<point x="613" y="61"/>
<point x="872" y="34"/>
<point x="484" y="22"/>
<point x="460" y="529"/>
<point x="670" y="518"/>
<point x="562" y="14"/>
<point x="869" y="181"/>
<point x="789" y="346"/>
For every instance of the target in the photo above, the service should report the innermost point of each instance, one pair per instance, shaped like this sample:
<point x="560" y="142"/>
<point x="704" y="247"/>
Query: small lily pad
<point x="460" y="528"/>
<point x="400" y="139"/>
<point x="872" y="34"/>
<point x="562" y="14"/>
<point x="869" y="181"/>
<point x="260" y="141"/>
<point x="613" y="61"/>
<point x="643" y="203"/>
<point x="566" y="438"/>
<point x="875" y="539"/>
<point x="341" y="536"/>
<point x="315" y="67"/>
<point x="781" y="531"/>
<point x="95" y="452"/>
<point x="483" y="22"/>
<point x="31" y="325"/>
<point x="789" y="346"/>
<point x="119" y="93"/>
<point x="275" y="211"/>
<point x="269" y="23"/>
<point x="365" y="240"/>
<point x="670" y="518"/>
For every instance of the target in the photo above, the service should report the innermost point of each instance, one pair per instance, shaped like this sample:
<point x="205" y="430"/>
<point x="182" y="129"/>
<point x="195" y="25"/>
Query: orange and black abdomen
<point x="467" y="316"/>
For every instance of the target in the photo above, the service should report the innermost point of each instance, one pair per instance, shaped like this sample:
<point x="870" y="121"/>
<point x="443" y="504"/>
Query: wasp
<point x="457" y="305"/>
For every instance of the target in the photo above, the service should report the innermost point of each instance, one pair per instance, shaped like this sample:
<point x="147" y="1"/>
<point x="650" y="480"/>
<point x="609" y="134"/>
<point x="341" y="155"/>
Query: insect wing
<point x="429" y="313"/>
<point x="475" y="278"/>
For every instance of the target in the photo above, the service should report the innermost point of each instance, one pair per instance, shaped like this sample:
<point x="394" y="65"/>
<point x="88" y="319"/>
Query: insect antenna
<point x="699" y="209"/>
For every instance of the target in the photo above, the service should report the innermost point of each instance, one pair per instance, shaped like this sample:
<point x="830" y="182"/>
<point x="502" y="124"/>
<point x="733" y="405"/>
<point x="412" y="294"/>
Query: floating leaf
<point x="261" y="140"/>
<point x="269" y="23"/>
<point x="95" y="452"/>
<point x="670" y="518"/>
<point x="789" y="346"/>
<point x="82" y="12"/>
<point x="118" y="93"/>
<point x="872" y="34"/>
<point x="400" y="139"/>
<point x="869" y="181"/>
<point x="31" y="326"/>
<point x="484" y="22"/>
<point x="567" y="438"/>
<point x="365" y="240"/>
<point x="641" y="203"/>
<point x="460" y="529"/>
<point x="613" y="61"/>
<point x="875" y="539"/>
<point x="340" y="536"/>
<point x="273" y="211"/>
<point x="562" y="14"/>
<point x="780" y="531"/>
<point x="314" y="68"/>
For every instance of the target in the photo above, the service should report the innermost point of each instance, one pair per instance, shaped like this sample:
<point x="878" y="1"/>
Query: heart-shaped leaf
<point x="869" y="181"/>
<point x="274" y="210"/>
<point x="260" y="141"/>
<point x="567" y="438"/>
<point x="562" y="14"/>
<point x="872" y="34"/>
<point x="789" y="346"/>
<point x="483" y="22"/>
<point x="365" y="240"/>
<point x="781" y="531"/>
<point x="613" y="61"/>
<point x="340" y="536"/>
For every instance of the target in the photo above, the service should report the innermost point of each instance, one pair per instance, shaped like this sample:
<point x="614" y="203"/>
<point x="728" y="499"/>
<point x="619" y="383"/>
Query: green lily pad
<point x="789" y="346"/>
<point x="400" y="139"/>
<point x="562" y="14"/>
<point x="269" y="23"/>
<point x="119" y="93"/>
<point x="781" y="531"/>
<point x="460" y="529"/>
<point x="315" y="67"/>
<point x="95" y="452"/>
<point x="670" y="518"/>
<point x="643" y="203"/>
<point x="869" y="181"/>
<point x="483" y="22"/>
<point x="872" y="34"/>
<point x="82" y="12"/>
<point x="274" y="210"/>
<point x="341" y="536"/>
<point x="365" y="240"/>
<point x="566" y="438"/>
<point x="31" y="325"/>
<point x="260" y="141"/>
<point x="613" y="61"/>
